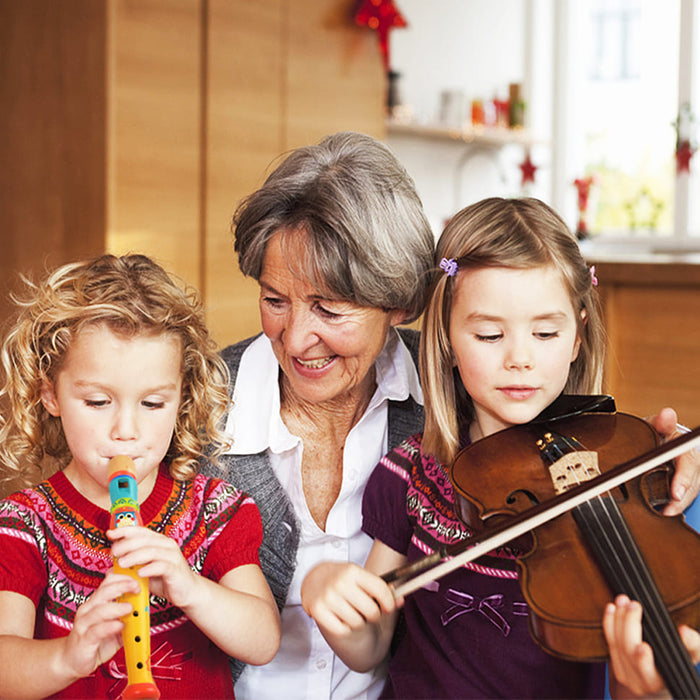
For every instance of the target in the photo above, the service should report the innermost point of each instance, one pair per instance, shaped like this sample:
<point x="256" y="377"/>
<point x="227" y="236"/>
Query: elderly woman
<point x="339" y="244"/>
<point x="341" y="248"/>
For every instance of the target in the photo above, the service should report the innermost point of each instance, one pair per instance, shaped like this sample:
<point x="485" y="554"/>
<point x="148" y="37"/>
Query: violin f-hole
<point x="512" y="497"/>
<point x="622" y="494"/>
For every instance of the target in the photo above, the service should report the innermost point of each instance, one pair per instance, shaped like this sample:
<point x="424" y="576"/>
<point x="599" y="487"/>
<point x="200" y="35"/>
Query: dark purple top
<point x="467" y="634"/>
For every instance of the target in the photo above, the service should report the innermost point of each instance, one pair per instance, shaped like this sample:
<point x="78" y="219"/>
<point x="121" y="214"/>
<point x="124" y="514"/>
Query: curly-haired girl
<point x="111" y="357"/>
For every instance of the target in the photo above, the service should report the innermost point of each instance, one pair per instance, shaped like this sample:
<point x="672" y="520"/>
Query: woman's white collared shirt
<point x="305" y="667"/>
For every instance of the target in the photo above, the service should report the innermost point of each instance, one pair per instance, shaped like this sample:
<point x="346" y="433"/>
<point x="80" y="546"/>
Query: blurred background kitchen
<point x="138" y="125"/>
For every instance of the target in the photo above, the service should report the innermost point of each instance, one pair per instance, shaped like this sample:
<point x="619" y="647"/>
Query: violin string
<point x="610" y="537"/>
<point x="630" y="575"/>
<point x="626" y="565"/>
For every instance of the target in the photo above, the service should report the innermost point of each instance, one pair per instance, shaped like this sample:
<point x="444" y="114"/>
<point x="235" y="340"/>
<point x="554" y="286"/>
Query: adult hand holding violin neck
<point x="686" y="480"/>
<point x="338" y="242"/>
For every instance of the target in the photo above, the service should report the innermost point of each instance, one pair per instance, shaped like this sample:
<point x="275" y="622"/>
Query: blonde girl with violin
<point x="111" y="357"/>
<point x="512" y="322"/>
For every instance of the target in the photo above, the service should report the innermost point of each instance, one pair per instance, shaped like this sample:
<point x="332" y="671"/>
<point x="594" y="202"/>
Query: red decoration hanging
<point x="685" y="145"/>
<point x="684" y="152"/>
<point x="583" y="188"/>
<point x="528" y="169"/>
<point x="381" y="15"/>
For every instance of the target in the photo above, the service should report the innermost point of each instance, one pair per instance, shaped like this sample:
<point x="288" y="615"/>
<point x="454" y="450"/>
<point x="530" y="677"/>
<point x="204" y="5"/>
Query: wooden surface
<point x="281" y="74"/>
<point x="334" y="78"/>
<point x="204" y="96"/>
<point x="652" y="315"/>
<point x="154" y="167"/>
<point x="245" y="133"/>
<point x="52" y="146"/>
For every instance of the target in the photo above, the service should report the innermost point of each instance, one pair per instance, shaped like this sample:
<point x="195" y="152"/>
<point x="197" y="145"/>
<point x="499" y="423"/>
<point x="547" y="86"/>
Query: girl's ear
<point x="48" y="398"/>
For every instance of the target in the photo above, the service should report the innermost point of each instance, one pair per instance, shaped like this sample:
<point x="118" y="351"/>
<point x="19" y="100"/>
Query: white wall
<point x="472" y="45"/>
<point x="477" y="47"/>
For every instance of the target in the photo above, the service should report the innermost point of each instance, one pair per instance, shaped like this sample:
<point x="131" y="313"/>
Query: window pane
<point x="625" y="103"/>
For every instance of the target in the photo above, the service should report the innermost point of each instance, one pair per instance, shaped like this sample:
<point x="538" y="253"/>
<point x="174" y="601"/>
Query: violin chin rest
<point x="569" y="405"/>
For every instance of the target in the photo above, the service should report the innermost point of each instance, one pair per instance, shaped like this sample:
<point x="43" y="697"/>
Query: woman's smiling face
<point x="325" y="347"/>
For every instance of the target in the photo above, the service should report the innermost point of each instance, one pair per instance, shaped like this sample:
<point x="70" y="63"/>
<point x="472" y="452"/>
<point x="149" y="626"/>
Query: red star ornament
<point x="528" y="169"/>
<point x="381" y="15"/>
<point x="583" y="188"/>
<point x="684" y="153"/>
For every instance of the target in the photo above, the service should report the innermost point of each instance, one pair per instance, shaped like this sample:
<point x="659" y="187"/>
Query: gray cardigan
<point x="254" y="475"/>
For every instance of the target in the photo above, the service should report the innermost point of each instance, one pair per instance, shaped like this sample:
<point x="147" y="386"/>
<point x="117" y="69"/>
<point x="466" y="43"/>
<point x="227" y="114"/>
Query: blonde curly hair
<point x="131" y="295"/>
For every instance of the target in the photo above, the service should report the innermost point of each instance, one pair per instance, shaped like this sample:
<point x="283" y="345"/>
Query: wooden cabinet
<point x="138" y="125"/>
<point x="652" y="312"/>
<point x="53" y="151"/>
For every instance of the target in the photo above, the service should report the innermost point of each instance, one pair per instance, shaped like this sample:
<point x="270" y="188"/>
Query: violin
<point x="571" y="494"/>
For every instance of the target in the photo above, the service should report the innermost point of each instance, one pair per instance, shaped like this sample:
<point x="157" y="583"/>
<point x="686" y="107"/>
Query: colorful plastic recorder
<point x="137" y="631"/>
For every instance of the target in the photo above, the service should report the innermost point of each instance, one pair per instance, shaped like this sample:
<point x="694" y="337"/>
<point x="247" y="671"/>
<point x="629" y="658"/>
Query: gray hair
<point x="368" y="240"/>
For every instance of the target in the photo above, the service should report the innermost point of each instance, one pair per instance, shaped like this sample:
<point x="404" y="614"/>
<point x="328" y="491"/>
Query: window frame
<point x="686" y="221"/>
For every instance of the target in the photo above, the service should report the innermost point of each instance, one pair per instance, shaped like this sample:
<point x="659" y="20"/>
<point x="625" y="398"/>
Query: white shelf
<point x="485" y="136"/>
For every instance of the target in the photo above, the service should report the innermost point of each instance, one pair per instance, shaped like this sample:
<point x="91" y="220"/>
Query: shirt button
<point x="321" y="664"/>
<point x="336" y="543"/>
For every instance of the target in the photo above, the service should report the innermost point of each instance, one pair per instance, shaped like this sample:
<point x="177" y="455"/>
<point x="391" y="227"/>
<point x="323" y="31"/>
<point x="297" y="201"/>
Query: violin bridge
<point x="573" y="469"/>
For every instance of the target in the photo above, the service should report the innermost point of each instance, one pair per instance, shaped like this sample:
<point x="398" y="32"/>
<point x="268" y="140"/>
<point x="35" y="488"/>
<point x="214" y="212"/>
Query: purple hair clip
<point x="594" y="279"/>
<point x="449" y="266"/>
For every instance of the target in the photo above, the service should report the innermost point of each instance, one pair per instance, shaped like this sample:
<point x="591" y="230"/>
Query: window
<point x="615" y="48"/>
<point x="624" y="76"/>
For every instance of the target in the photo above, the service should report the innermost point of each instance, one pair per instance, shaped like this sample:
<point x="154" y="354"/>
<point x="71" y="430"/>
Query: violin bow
<point x="410" y="578"/>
